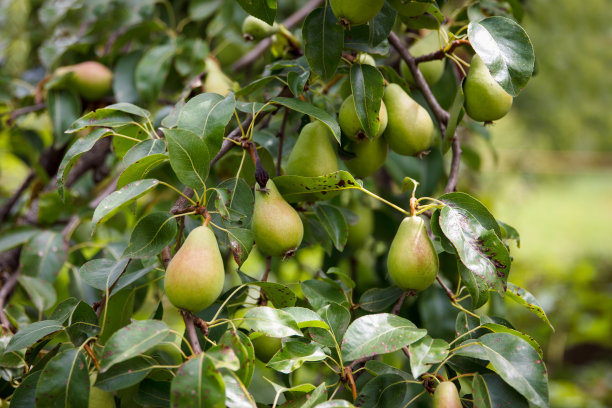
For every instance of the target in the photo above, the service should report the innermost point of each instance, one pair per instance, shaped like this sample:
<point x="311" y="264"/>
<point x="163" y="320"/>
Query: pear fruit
<point x="359" y="232"/>
<point x="277" y="227"/>
<point x="266" y="347"/>
<point x="256" y="29"/>
<point x="216" y="81"/>
<point x="410" y="129"/>
<point x="356" y="12"/>
<point x="431" y="70"/>
<point x="409" y="8"/>
<point x="446" y="396"/>
<point x="365" y="59"/>
<point x="412" y="260"/>
<point x="313" y="154"/>
<point x="370" y="156"/>
<point x="99" y="398"/>
<point x="485" y="99"/>
<point x="90" y="79"/>
<point x="195" y="276"/>
<point x="350" y="124"/>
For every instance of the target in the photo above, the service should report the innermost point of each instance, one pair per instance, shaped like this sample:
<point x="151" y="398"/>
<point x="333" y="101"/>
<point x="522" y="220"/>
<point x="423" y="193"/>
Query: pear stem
<point x="390" y="204"/>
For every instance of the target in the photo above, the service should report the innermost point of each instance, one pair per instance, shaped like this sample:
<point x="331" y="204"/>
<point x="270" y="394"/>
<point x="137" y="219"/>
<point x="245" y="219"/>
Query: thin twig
<point x="8" y="206"/>
<point x="448" y="292"/>
<point x="439" y="54"/>
<point x="453" y="176"/>
<point x="24" y="111"/>
<point x="189" y="319"/>
<point x="400" y="302"/>
<point x="268" y="267"/>
<point x="5" y="292"/>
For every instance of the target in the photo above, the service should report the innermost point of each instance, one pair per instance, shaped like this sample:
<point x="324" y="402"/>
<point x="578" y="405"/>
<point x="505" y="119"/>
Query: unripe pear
<point x="446" y="396"/>
<point x="277" y="227"/>
<point x="409" y="8"/>
<point x="485" y="99"/>
<point x="313" y="154"/>
<point x="410" y="129"/>
<point x="412" y="260"/>
<point x="350" y="124"/>
<point x="195" y="276"/>
<point x="216" y="81"/>
<point x="365" y="59"/>
<point x="359" y="233"/>
<point x="431" y="70"/>
<point x="356" y="12"/>
<point x="266" y="347"/>
<point x="370" y="156"/>
<point x="90" y="79"/>
<point x="256" y="29"/>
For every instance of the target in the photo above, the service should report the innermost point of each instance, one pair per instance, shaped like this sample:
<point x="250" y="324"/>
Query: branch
<point x="8" y="206"/>
<point x="191" y="331"/>
<point x="448" y="292"/>
<point x="439" y="54"/>
<point x="453" y="177"/>
<point x="263" y="45"/>
<point x="24" y="111"/>
<point x="400" y="302"/>
<point x="5" y="292"/>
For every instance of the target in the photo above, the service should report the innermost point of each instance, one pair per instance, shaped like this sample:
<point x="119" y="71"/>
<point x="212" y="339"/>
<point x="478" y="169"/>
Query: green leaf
<point x="140" y="169"/>
<point x="306" y="317"/>
<point x="83" y="324"/>
<point x="297" y="188"/>
<point x="515" y="361"/>
<point x="236" y="394"/>
<point x="358" y="38"/>
<point x="64" y="108"/>
<point x="44" y="255"/>
<point x="378" y="334"/>
<point x="505" y="49"/>
<point x="10" y="238"/>
<point x="526" y="299"/>
<point x="477" y="287"/>
<point x="501" y="394"/>
<point x="480" y="392"/>
<point x="153" y="393"/>
<point x="386" y="390"/>
<point x="100" y="118"/>
<point x="129" y="108"/>
<point x="79" y="147"/>
<point x="262" y="9"/>
<point x="424" y="353"/>
<point x="310" y="110"/>
<point x="272" y="322"/>
<point x="474" y="207"/>
<point x="367" y="86"/>
<point x="280" y="295"/>
<point x="30" y="334"/>
<point x="125" y="374"/>
<point x="498" y="328"/>
<point x="509" y="233"/>
<point x="111" y="204"/>
<point x="152" y="70"/>
<point x="297" y="81"/>
<point x="240" y="243"/>
<point x="151" y="235"/>
<point x="206" y="115"/>
<point x="319" y="293"/>
<point x="256" y="85"/>
<point x="379" y="299"/>
<point x="132" y="340"/>
<point x="381" y="26"/>
<point x="335" y="404"/>
<point x="189" y="157"/>
<point x="334" y="223"/>
<point x="63" y="310"/>
<point x="294" y="354"/>
<point x="40" y="292"/>
<point x="198" y="384"/>
<point x="64" y="382"/>
<point x="323" y="42"/>
<point x="243" y="349"/>
<point x="25" y="395"/>
<point x="143" y="149"/>
<point x="102" y="273"/>
<point x="124" y="83"/>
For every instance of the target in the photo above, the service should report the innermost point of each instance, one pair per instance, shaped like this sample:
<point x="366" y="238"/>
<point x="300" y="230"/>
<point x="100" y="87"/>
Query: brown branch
<point x="448" y="292"/>
<point x="189" y="319"/>
<point x="8" y="206"/>
<point x="24" y="111"/>
<point x="89" y="161"/>
<point x="5" y="292"/>
<point x="400" y="302"/>
<point x="453" y="177"/>
<point x="263" y="45"/>
<point x="439" y="54"/>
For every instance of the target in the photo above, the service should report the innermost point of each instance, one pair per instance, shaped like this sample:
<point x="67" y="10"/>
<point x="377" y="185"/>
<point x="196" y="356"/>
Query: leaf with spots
<point x="44" y="255"/>
<point x="279" y="294"/>
<point x="64" y="382"/>
<point x="25" y="395"/>
<point x="198" y="384"/>
<point x="189" y="157"/>
<point x="322" y="292"/>
<point x="294" y="354"/>
<point x="367" y="85"/>
<point x="378" y="334"/>
<point x="236" y="394"/>
<point x="272" y="322"/>
<point x="111" y="204"/>
<point x="386" y="390"/>
<point x="102" y="273"/>
<point x="526" y="299"/>
<point x="125" y="374"/>
<point x="499" y="328"/>
<point x="480" y="392"/>
<point x="151" y="235"/>
<point x="31" y="333"/>
<point x="515" y="361"/>
<point x="379" y="299"/>
<point x="297" y="188"/>
<point x="40" y="292"/>
<point x="243" y="349"/>
<point x="426" y="352"/>
<point x="131" y="341"/>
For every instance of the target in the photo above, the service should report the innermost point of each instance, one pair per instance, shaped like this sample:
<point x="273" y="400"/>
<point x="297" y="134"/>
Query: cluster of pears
<point x="356" y="12"/>
<point x="90" y="79"/>
<point x="485" y="99"/>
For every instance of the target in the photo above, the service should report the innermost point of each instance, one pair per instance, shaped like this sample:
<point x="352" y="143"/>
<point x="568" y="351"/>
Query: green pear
<point x="350" y="124"/>
<point x="90" y="79"/>
<point x="216" y="81"/>
<point x="313" y="154"/>
<point x="266" y="347"/>
<point x="99" y="398"/>
<point x="412" y="260"/>
<point x="256" y="29"/>
<point x="446" y="396"/>
<point x="365" y="59"/>
<point x="277" y="227"/>
<point x="410" y="129"/>
<point x="356" y="12"/>
<point x="359" y="232"/>
<point x="485" y="99"/>
<point x="409" y="8"/>
<point x="195" y="275"/>
<point x="431" y="70"/>
<point x="370" y="156"/>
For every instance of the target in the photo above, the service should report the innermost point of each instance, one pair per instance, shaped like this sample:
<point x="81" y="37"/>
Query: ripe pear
<point x="356" y="12"/>
<point x="256" y="29"/>
<point x="410" y="129"/>
<point x="431" y="70"/>
<point x="350" y="124"/>
<point x="277" y="227"/>
<point x="313" y="154"/>
<point x="485" y="99"/>
<point x="266" y="347"/>
<point x="446" y="396"/>
<point x="195" y="276"/>
<point x="412" y="260"/>
<point x="370" y="156"/>
<point x="90" y="79"/>
<point x="359" y="233"/>
<point x="409" y="8"/>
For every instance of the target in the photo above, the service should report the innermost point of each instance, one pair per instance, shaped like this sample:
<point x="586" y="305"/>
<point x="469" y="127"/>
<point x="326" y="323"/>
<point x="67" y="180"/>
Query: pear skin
<point x="370" y="156"/>
<point x="359" y="233"/>
<point x="485" y="99"/>
<point x="195" y="276"/>
<point x="313" y="154"/>
<point x="412" y="260"/>
<point x="356" y="12"/>
<point x="90" y="79"/>
<point x="216" y="81"/>
<point x="431" y="70"/>
<point x="446" y="396"/>
<point x="266" y="347"/>
<point x="277" y="227"/>
<point x="410" y="129"/>
<point x="350" y="124"/>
